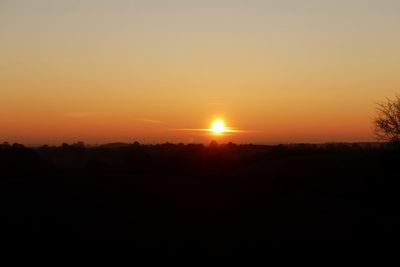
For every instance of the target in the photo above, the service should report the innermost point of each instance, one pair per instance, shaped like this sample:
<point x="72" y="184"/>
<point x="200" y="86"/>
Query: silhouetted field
<point x="218" y="198"/>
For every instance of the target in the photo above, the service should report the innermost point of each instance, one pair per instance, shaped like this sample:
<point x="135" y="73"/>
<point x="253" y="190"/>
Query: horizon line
<point x="91" y="144"/>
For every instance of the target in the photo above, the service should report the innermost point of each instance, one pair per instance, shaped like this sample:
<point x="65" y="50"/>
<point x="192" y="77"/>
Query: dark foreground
<point x="176" y="198"/>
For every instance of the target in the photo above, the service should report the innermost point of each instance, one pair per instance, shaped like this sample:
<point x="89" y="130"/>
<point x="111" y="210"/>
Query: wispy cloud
<point x="207" y="130"/>
<point x="150" y="121"/>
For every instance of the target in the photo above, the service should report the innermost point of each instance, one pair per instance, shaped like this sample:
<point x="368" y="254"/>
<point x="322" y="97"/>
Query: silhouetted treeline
<point x="174" y="197"/>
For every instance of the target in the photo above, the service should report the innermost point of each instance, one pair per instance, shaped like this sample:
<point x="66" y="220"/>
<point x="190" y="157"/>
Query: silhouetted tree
<point x="213" y="144"/>
<point x="65" y="145"/>
<point x="17" y="146"/>
<point x="387" y="121"/>
<point x="136" y="144"/>
<point x="5" y="145"/>
<point x="79" y="144"/>
<point x="45" y="147"/>
<point x="231" y="145"/>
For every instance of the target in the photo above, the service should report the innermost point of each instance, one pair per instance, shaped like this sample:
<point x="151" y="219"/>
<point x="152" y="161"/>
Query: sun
<point x="218" y="126"/>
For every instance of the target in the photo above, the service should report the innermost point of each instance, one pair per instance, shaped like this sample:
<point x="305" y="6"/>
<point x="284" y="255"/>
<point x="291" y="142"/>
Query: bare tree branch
<point x="387" y="121"/>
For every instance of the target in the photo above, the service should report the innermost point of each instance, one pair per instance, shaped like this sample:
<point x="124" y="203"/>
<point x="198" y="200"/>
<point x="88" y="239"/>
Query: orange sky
<point x="280" y="71"/>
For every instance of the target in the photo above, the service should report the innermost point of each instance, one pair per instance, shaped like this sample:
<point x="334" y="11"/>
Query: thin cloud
<point x="207" y="130"/>
<point x="150" y="121"/>
<point x="228" y="130"/>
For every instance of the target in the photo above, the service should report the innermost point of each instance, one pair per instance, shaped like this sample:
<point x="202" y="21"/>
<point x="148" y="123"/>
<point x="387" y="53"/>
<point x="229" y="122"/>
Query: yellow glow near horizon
<point x="218" y="126"/>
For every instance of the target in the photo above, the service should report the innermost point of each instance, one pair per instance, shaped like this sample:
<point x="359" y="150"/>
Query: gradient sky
<point x="281" y="71"/>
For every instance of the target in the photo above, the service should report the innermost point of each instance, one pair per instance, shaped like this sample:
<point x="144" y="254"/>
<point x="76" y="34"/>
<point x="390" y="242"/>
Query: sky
<point x="279" y="71"/>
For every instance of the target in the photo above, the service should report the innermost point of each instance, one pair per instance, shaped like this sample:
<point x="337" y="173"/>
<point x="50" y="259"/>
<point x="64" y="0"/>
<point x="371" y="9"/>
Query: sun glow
<point x="218" y="127"/>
